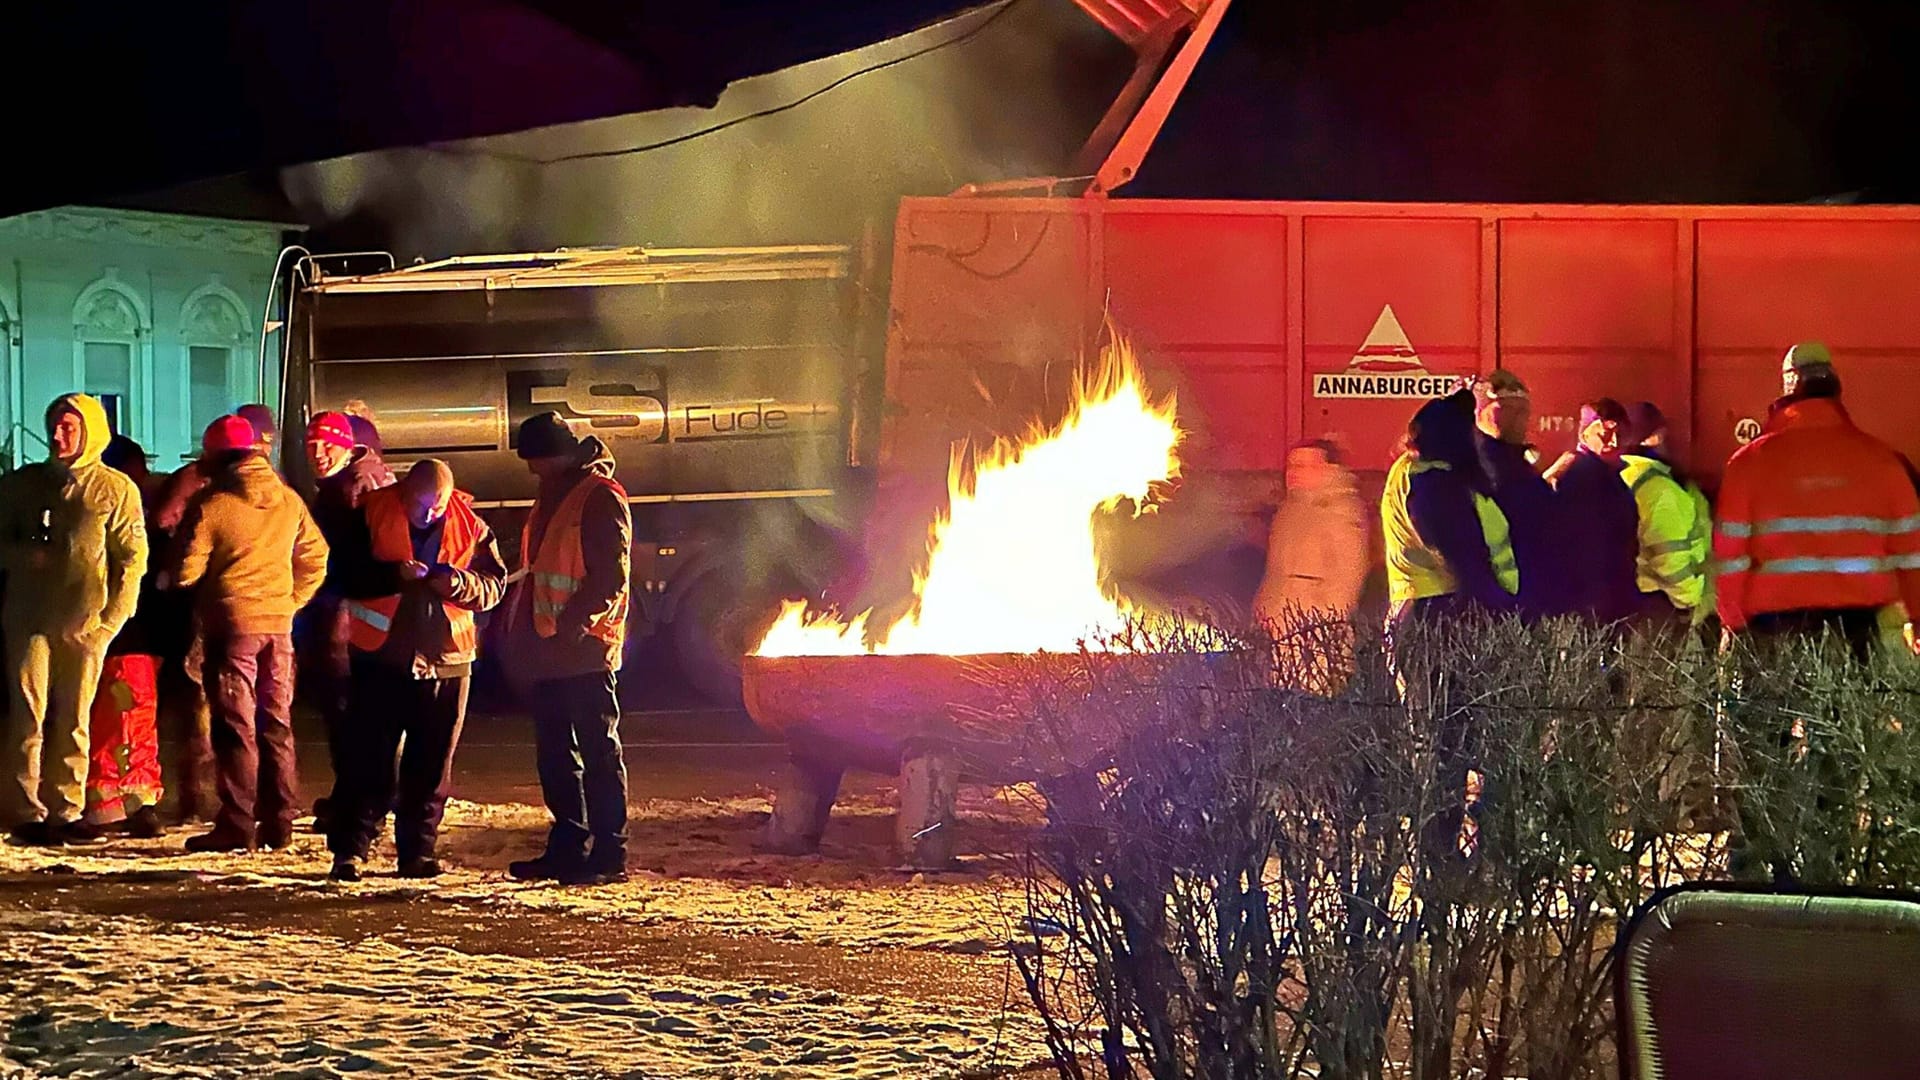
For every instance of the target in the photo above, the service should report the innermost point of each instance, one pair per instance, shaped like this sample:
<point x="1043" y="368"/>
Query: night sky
<point x="1509" y="100"/>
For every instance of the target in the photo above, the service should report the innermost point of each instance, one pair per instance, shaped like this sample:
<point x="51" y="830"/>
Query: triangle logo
<point x="1386" y="347"/>
<point x="1386" y="366"/>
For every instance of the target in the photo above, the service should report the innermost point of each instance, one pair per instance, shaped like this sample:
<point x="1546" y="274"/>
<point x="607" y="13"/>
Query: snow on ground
<point x="96" y="997"/>
<point x="691" y="864"/>
<point x="722" y="962"/>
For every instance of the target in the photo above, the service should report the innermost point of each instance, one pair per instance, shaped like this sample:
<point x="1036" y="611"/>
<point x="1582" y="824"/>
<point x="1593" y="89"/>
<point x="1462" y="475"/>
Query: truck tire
<point x="713" y="627"/>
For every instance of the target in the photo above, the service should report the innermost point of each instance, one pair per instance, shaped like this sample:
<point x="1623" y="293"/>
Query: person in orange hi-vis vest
<point x="1819" y="524"/>
<point x="566" y="633"/>
<point x="413" y="575"/>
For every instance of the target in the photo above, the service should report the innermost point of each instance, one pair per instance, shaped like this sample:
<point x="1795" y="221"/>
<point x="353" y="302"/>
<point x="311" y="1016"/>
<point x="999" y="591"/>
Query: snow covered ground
<point x="135" y="959"/>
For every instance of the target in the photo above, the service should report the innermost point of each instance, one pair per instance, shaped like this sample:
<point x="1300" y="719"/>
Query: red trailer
<point x="1280" y="321"/>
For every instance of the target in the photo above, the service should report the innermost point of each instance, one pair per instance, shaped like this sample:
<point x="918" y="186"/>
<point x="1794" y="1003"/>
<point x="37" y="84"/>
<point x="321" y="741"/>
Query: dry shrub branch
<point x="1311" y="852"/>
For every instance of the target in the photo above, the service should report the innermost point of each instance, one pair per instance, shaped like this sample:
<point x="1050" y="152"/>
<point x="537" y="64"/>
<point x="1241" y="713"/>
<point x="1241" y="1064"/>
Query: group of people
<point x="1816" y="526"/>
<point x="135" y="602"/>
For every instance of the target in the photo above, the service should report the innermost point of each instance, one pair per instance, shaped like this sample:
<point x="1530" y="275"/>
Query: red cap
<point x="333" y="429"/>
<point x="227" y="434"/>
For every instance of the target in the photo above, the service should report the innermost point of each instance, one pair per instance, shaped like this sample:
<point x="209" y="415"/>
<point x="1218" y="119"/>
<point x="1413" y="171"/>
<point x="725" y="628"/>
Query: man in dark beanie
<point x="566" y="633"/>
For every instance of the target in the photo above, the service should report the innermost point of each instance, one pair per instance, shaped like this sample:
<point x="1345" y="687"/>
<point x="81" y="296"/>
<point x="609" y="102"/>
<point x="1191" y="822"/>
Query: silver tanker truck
<point x="729" y="384"/>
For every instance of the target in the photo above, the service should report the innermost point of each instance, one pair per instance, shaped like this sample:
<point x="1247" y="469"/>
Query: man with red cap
<point x="254" y="557"/>
<point x="345" y="472"/>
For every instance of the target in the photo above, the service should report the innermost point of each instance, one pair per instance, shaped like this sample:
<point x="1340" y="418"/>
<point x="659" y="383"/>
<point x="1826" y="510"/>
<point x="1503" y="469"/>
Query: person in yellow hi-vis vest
<point x="412" y="574"/>
<point x="566" y="632"/>
<point x="1447" y="544"/>
<point x="1449" y="552"/>
<point x="1676" y="526"/>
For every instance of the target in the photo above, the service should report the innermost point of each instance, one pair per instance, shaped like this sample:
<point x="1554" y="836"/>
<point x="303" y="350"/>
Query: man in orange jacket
<point x="413" y="573"/>
<point x="1819" y="524"/>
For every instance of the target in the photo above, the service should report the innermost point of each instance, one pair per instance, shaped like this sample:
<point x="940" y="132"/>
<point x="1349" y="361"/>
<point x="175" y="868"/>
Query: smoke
<point x="1015" y="100"/>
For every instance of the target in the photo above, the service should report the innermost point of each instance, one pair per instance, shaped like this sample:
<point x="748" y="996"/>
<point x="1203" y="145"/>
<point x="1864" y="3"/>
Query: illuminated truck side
<point x="724" y="381"/>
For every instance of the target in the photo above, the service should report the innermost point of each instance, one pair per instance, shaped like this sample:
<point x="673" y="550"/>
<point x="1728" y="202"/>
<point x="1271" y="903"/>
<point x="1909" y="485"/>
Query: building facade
<point x="158" y="315"/>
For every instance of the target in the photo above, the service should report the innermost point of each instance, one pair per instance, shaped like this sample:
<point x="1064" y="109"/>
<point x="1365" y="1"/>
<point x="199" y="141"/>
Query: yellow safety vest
<point x="1676" y="534"/>
<point x="1415" y="570"/>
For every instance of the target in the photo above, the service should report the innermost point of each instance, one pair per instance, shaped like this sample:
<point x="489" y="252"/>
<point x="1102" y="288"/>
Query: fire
<point x="1011" y="566"/>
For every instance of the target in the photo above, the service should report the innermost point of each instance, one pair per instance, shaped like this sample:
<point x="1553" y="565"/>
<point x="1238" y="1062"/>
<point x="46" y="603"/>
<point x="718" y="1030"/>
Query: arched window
<point x="213" y="336"/>
<point x="111" y="353"/>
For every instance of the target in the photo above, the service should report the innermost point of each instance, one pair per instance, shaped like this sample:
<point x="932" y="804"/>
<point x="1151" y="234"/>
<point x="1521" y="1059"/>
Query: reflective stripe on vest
<point x="370" y="621"/>
<point x="1676" y="537"/>
<point x="1414" y="569"/>
<point x="556" y="571"/>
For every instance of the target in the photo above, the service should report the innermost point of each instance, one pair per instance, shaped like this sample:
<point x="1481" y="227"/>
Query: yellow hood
<point x="93" y="421"/>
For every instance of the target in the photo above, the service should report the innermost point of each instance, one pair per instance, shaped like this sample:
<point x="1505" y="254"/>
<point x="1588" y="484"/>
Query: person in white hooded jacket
<point x="73" y="543"/>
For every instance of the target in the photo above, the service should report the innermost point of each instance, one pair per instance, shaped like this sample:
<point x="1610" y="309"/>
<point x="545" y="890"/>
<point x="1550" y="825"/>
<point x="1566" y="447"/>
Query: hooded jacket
<point x="1440" y="502"/>
<point x="73" y="540"/>
<point x="1316" y="551"/>
<point x="252" y="552"/>
<point x="606" y="541"/>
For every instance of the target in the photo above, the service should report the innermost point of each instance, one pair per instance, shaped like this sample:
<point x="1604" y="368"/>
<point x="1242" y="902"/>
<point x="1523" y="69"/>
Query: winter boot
<point x="345" y="868"/>
<point x="548" y="867"/>
<point x="144" y="824"/>
<point x="34" y="834"/>
<point x="420" y="867"/>
<point x="606" y="866"/>
<point x="219" y="840"/>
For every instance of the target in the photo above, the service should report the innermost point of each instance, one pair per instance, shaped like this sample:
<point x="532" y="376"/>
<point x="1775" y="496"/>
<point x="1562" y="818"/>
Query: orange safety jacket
<point x="1815" y="514"/>
<point x="370" y="621"/>
<point x="558" y="568"/>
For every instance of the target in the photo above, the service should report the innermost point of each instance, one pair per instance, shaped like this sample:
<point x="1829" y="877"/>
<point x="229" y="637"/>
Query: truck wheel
<point x="712" y="629"/>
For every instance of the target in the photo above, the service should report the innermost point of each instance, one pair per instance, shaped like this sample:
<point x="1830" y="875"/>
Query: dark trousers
<point x="332" y="672"/>
<point x="1857" y="628"/>
<point x="389" y="704"/>
<point x="186" y="721"/>
<point x="249" y="680"/>
<point x="576" y="736"/>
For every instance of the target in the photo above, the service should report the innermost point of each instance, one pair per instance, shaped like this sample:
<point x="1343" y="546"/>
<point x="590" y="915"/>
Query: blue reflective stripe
<point x="369" y="616"/>
<point x="1903" y="562"/>
<point x="1862" y="564"/>
<point x="1833" y="523"/>
<point x="1735" y="566"/>
<point x="1736" y="528"/>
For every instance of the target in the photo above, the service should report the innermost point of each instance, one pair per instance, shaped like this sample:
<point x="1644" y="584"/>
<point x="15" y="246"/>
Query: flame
<point x="1011" y="566"/>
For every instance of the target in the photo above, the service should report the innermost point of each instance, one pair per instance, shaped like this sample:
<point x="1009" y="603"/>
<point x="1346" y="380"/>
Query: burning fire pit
<point x="1012" y="570"/>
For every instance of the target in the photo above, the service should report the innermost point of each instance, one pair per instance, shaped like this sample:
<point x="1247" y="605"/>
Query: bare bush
<point x="1299" y="852"/>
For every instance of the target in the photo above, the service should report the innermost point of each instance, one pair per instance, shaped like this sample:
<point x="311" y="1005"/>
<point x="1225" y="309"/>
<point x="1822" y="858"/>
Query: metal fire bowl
<point x="869" y="711"/>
